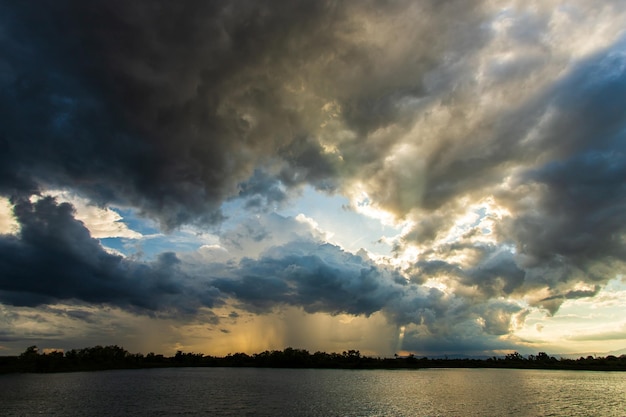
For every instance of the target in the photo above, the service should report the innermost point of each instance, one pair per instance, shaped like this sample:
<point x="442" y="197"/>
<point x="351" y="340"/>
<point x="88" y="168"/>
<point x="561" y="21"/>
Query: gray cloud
<point x="575" y="224"/>
<point x="563" y="155"/>
<point x="170" y="107"/>
<point x="54" y="258"/>
<point x="174" y="109"/>
<point x="318" y="277"/>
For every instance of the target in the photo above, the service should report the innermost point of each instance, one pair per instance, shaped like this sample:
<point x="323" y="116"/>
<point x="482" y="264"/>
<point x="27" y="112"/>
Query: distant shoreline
<point x="99" y="358"/>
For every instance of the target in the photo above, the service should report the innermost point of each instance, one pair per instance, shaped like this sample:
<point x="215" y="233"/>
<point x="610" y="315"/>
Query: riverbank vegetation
<point x="115" y="357"/>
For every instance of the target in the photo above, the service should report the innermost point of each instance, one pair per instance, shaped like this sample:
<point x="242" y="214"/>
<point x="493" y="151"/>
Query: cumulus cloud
<point x="317" y="277"/>
<point x="102" y="222"/>
<point x="308" y="273"/>
<point x="554" y="168"/>
<point x="171" y="107"/>
<point x="53" y="258"/>
<point x="494" y="131"/>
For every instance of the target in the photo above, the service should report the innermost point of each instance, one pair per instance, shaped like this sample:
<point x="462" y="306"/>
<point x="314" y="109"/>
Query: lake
<point x="314" y="392"/>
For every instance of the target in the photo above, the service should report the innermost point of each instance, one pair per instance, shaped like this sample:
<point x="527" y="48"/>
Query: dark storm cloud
<point x="168" y="107"/>
<point x="492" y="271"/>
<point x="575" y="294"/>
<point x="174" y="108"/>
<point x="54" y="258"/>
<point x="8" y="336"/>
<point x="573" y="230"/>
<point x="318" y="277"/>
<point x="262" y="190"/>
<point x="464" y="340"/>
<point x="574" y="105"/>
<point x="564" y="154"/>
<point x="580" y="206"/>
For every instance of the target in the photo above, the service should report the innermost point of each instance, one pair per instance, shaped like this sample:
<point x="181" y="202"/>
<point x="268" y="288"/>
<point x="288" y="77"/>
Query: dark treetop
<point x="115" y="357"/>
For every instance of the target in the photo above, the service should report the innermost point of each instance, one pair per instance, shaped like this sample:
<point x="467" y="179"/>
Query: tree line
<point x="116" y="357"/>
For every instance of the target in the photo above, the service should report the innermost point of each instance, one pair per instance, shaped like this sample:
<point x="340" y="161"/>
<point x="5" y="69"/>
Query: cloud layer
<point x="173" y="108"/>
<point x="54" y="258"/>
<point x="496" y="132"/>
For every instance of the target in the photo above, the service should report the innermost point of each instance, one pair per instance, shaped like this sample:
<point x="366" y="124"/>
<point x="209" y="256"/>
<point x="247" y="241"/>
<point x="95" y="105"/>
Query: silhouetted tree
<point x="31" y="352"/>
<point x="514" y="357"/>
<point x="115" y="357"/>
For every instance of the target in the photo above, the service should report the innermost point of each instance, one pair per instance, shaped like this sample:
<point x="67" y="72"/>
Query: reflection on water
<point x="315" y="392"/>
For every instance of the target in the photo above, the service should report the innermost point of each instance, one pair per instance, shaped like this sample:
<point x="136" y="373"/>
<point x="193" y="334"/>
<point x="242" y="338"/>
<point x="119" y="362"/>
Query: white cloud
<point x="102" y="222"/>
<point x="8" y="224"/>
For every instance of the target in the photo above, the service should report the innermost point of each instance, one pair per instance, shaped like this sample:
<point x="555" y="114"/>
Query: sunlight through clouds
<point x="593" y="324"/>
<point x="416" y="176"/>
<point x="8" y="222"/>
<point x="102" y="222"/>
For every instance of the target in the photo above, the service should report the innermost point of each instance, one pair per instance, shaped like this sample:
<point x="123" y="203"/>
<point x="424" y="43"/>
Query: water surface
<point x="315" y="392"/>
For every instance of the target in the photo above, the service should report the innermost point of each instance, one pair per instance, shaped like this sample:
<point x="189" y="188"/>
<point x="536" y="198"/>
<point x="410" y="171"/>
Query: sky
<point x="428" y="177"/>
